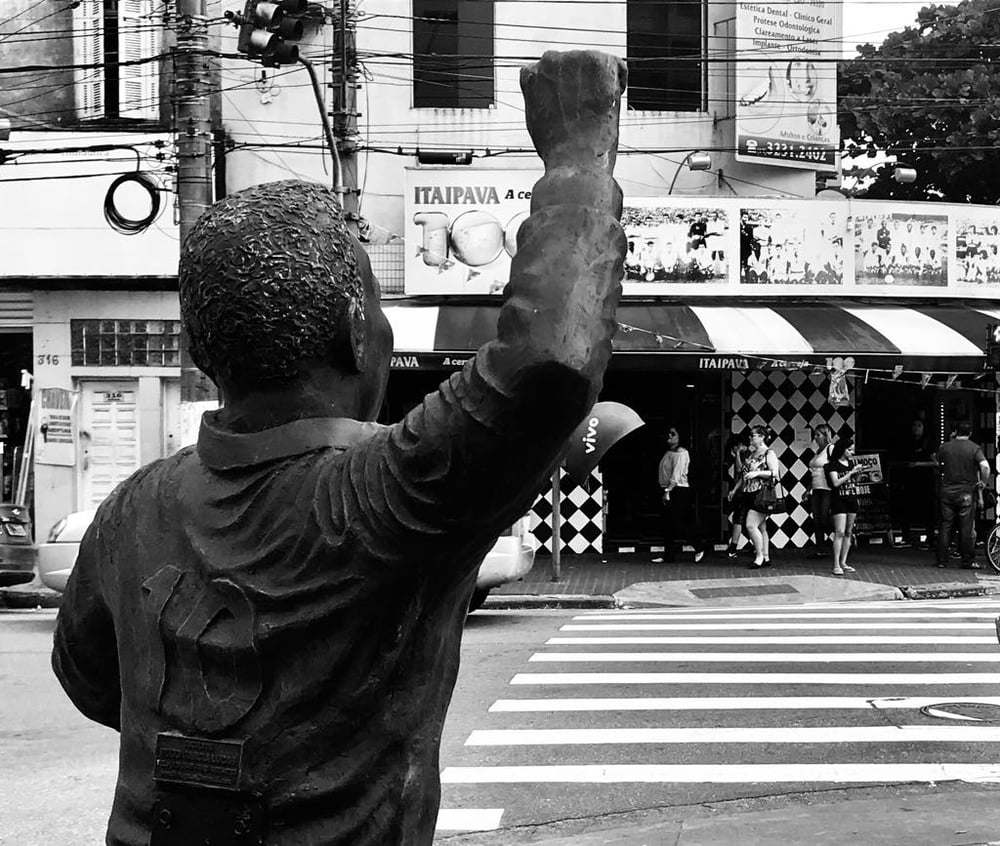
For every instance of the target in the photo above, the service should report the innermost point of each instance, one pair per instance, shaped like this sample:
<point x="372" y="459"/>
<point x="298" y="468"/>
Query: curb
<point x="566" y="600"/>
<point x="949" y="591"/>
<point x="29" y="596"/>
<point x="503" y="602"/>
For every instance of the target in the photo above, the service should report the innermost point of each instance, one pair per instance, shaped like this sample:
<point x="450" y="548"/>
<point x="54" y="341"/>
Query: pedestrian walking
<point x="964" y="473"/>
<point x="676" y="501"/>
<point x="819" y="488"/>
<point x="737" y="450"/>
<point x="760" y="468"/>
<point x="841" y="472"/>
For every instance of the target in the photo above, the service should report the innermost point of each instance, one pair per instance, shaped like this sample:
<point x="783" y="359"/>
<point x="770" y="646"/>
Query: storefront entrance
<point x="906" y="424"/>
<point x="693" y="402"/>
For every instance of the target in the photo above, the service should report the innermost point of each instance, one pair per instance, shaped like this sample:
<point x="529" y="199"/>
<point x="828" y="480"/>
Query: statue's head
<point x="271" y="282"/>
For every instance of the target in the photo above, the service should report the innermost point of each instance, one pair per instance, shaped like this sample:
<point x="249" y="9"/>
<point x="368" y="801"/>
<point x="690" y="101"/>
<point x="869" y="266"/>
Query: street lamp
<point x="695" y="160"/>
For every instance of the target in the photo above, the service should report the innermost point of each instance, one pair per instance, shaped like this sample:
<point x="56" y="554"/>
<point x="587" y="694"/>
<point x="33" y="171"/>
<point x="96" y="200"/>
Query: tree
<point x="929" y="97"/>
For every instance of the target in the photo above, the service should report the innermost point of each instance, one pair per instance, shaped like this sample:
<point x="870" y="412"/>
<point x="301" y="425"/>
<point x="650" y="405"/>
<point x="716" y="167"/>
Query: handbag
<point x="770" y="499"/>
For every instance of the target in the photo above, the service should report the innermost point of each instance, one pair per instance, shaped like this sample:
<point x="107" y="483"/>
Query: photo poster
<point x="793" y="246"/>
<point x="686" y="242"/>
<point x="461" y="233"/>
<point x="461" y="228"/>
<point x="54" y="441"/>
<point x="873" y="496"/>
<point x="977" y="249"/>
<point x="908" y="248"/>
<point x="786" y="87"/>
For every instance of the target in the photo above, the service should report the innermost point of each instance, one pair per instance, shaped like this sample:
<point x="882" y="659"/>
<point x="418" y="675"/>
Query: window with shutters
<point x="110" y="36"/>
<point x="665" y="46"/>
<point x="453" y="54"/>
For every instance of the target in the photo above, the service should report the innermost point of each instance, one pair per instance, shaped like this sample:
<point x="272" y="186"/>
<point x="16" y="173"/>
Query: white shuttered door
<point x="138" y="85"/>
<point x="109" y="438"/>
<point x="88" y="49"/>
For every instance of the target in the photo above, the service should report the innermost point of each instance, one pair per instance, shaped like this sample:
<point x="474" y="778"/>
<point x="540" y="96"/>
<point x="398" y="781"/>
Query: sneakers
<point x="699" y="555"/>
<point x="731" y="550"/>
<point x="657" y="560"/>
<point x="973" y="566"/>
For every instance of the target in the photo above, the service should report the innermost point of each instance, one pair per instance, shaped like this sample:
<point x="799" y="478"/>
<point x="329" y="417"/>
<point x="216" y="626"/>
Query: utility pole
<point x="193" y="129"/>
<point x="344" y="82"/>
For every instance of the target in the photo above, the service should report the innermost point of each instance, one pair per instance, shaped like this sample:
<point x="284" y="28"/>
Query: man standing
<point x="272" y="619"/>
<point x="964" y="472"/>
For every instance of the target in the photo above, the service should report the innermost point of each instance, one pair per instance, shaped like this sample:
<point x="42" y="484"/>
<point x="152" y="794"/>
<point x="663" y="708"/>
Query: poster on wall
<point x="54" y="442"/>
<point x="461" y="228"/>
<point x="462" y="224"/>
<point x="977" y="251"/>
<point x="786" y="90"/>
<point x="678" y="244"/>
<point x="873" y="496"/>
<point x="792" y="246"/>
<point x="900" y="248"/>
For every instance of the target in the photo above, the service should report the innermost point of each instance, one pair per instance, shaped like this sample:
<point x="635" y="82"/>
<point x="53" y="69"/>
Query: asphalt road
<point x="612" y="713"/>
<point x="827" y="693"/>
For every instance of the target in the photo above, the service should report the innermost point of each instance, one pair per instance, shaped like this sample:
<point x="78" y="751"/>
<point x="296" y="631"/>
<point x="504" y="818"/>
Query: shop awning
<point x="927" y="337"/>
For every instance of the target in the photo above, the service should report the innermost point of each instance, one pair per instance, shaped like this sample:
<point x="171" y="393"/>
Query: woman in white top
<point x="819" y="491"/>
<point x="677" y="511"/>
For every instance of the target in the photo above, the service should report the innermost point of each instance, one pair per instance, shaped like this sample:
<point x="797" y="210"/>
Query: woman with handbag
<point x="840" y="471"/>
<point x="757" y="489"/>
<point x="819" y="488"/>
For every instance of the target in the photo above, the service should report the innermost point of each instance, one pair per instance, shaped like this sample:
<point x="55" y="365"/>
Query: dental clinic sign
<point x="786" y="83"/>
<point x="461" y="228"/>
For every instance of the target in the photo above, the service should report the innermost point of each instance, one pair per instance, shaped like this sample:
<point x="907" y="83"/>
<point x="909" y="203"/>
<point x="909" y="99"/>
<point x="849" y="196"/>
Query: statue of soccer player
<point x="272" y="618"/>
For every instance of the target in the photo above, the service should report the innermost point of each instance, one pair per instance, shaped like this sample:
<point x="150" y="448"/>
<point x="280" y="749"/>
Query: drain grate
<point x="747" y="590"/>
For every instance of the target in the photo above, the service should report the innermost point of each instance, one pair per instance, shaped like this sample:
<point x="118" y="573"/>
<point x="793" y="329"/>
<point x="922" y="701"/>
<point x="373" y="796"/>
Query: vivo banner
<point x="786" y="83"/>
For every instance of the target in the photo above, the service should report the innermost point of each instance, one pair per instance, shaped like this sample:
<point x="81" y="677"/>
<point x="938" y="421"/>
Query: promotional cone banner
<point x="607" y="423"/>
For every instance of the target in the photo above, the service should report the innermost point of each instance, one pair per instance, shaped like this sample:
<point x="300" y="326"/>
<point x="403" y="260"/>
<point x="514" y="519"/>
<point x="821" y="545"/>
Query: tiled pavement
<point x="602" y="575"/>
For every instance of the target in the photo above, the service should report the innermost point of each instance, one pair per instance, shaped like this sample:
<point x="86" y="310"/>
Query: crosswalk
<point x="640" y="708"/>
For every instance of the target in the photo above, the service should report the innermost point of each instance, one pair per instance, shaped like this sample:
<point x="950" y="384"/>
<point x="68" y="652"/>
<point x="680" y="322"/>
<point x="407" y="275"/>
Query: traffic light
<point x="266" y="29"/>
<point x="993" y="347"/>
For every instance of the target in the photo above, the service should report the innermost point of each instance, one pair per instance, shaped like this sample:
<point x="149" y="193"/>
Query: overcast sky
<point x="874" y="20"/>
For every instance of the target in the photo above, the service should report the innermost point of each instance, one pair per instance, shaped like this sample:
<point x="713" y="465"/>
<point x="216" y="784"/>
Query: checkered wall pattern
<point x="582" y="511"/>
<point x="787" y="402"/>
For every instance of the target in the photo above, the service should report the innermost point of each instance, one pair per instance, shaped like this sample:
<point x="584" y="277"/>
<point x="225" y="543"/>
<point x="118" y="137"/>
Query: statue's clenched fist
<point x="572" y="101"/>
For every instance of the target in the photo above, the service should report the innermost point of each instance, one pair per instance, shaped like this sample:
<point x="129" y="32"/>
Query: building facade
<point x="749" y="300"/>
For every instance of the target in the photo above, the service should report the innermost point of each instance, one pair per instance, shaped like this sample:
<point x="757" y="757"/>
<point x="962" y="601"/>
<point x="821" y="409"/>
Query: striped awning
<point x="929" y="337"/>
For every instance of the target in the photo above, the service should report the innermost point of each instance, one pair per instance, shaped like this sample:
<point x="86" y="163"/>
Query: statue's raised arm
<point x="499" y="426"/>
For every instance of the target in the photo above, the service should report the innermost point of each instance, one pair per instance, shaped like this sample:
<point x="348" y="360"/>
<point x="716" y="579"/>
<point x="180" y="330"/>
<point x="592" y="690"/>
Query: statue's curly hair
<point x="266" y="278"/>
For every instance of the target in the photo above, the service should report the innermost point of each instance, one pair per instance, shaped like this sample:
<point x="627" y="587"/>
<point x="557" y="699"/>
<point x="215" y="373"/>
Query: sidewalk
<point x="882" y="572"/>
<point x="944" y="814"/>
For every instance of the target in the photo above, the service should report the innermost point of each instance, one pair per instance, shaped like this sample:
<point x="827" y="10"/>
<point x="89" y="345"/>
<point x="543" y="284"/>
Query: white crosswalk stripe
<point x="745" y="698"/>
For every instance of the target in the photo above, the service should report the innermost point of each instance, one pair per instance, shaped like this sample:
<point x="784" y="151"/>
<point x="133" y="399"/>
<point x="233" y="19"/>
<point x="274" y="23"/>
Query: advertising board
<point x="786" y="83"/>
<point x="461" y="233"/>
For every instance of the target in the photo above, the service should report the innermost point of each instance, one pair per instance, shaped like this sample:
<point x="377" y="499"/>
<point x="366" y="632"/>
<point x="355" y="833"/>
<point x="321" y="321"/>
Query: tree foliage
<point x="929" y="96"/>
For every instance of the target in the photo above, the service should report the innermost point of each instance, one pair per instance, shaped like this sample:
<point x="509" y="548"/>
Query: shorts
<point x="743" y="504"/>
<point x="844" y="505"/>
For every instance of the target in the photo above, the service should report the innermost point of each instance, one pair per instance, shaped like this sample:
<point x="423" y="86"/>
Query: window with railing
<point x="665" y="45"/>
<point x="453" y="54"/>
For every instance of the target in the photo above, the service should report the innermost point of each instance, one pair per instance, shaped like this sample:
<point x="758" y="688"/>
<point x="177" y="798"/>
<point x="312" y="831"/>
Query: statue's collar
<point x="224" y="450"/>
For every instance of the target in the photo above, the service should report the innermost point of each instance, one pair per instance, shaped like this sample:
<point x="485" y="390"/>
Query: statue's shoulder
<point x="145" y="484"/>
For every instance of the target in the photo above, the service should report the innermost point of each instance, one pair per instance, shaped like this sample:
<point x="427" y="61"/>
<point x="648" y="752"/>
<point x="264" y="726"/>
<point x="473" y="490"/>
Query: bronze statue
<point x="272" y="618"/>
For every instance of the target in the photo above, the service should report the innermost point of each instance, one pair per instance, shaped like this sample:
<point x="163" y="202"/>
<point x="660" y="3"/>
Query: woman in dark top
<point x="840" y="472"/>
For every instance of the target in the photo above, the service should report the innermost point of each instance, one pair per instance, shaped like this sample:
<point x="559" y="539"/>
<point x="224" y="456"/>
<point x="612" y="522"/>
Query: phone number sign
<point x="793" y="154"/>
